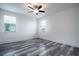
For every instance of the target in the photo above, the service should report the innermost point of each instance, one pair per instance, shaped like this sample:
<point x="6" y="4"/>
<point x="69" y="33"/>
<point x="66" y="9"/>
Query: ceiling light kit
<point x="36" y="8"/>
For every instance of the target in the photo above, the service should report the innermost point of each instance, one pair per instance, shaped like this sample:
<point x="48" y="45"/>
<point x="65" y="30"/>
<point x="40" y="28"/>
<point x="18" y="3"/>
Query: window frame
<point x="9" y="23"/>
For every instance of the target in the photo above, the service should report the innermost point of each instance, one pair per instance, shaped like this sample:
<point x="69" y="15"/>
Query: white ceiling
<point x="52" y="8"/>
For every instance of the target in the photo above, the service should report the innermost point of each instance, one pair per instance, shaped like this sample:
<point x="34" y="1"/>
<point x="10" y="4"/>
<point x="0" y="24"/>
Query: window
<point x="43" y="25"/>
<point x="9" y="23"/>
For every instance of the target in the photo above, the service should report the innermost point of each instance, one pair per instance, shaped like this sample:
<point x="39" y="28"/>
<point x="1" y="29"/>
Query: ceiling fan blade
<point x="31" y="7"/>
<point x="40" y="7"/>
<point x="41" y="11"/>
<point x="30" y="11"/>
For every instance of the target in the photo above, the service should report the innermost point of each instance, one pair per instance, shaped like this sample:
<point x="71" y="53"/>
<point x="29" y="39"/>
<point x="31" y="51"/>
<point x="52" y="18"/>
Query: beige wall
<point x="62" y="27"/>
<point x="25" y="28"/>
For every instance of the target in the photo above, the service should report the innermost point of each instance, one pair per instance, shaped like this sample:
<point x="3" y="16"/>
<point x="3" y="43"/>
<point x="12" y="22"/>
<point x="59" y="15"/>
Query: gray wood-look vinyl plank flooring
<point x="37" y="47"/>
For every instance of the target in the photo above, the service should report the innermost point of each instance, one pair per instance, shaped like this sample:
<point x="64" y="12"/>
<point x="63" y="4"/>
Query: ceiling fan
<point x="36" y="9"/>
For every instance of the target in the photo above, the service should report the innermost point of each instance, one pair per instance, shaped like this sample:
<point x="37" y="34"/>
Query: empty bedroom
<point x="39" y="29"/>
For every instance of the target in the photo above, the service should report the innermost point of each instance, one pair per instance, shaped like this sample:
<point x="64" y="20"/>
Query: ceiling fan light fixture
<point x="36" y="11"/>
<point x="36" y="8"/>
